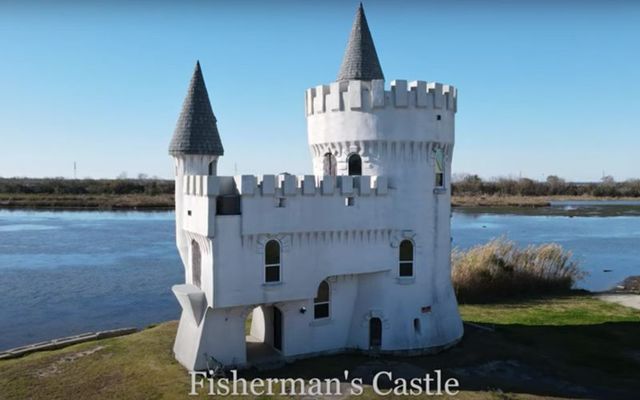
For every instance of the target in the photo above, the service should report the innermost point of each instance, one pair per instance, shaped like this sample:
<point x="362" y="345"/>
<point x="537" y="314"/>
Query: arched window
<point x="329" y="165"/>
<point x="272" y="261"/>
<point x="212" y="168"/>
<point x="355" y="165"/>
<point x="195" y="263"/>
<point x="406" y="258"/>
<point x="321" y="302"/>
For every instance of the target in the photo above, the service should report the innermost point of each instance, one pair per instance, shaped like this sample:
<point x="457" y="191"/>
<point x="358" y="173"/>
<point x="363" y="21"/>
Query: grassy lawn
<point x="569" y="310"/>
<point x="574" y="346"/>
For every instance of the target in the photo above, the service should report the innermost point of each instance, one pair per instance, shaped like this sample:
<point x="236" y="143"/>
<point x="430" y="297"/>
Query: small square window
<point x="281" y="202"/>
<point x="189" y="212"/>
<point x="350" y="201"/>
<point x="439" y="117"/>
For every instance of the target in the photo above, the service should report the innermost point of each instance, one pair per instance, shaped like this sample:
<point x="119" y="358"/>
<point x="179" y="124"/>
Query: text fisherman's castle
<point x="356" y="257"/>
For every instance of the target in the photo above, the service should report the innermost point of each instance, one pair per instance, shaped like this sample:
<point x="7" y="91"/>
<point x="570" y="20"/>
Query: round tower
<point x="399" y="133"/>
<point x="195" y="146"/>
<point x="404" y="133"/>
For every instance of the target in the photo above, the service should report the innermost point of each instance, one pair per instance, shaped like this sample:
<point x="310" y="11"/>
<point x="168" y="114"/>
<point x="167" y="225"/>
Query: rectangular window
<point x="350" y="202"/>
<point x="321" y="310"/>
<point x="439" y="167"/>
<point x="406" y="268"/>
<point x="272" y="273"/>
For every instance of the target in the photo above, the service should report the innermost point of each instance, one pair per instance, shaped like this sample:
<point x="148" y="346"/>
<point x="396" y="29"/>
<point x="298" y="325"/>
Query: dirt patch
<point x="518" y="373"/>
<point x="56" y="366"/>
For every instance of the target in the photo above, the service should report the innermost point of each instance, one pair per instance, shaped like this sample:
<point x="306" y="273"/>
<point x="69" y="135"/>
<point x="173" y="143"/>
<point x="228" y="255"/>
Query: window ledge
<point x="272" y="285"/>
<point x="439" y="190"/>
<point x="321" y="322"/>
<point x="405" y="280"/>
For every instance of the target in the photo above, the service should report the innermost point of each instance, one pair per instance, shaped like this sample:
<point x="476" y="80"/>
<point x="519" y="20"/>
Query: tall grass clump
<point x="501" y="270"/>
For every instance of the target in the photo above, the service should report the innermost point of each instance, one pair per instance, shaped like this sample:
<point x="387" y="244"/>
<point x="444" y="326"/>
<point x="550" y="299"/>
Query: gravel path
<point x="629" y="300"/>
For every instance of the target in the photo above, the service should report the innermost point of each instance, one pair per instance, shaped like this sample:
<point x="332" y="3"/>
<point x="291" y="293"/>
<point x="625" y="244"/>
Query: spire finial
<point x="197" y="130"/>
<point x="360" y="61"/>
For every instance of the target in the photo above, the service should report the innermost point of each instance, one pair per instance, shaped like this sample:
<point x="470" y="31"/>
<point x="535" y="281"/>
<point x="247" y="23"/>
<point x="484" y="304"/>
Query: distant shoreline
<point x="165" y="202"/>
<point x="525" y="201"/>
<point x="104" y="202"/>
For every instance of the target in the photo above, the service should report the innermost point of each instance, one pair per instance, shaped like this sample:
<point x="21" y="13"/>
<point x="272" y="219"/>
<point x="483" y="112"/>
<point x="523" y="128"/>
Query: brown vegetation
<point x="104" y="201"/>
<point x="470" y="191"/>
<point x="473" y="185"/>
<point x="86" y="193"/>
<point x="500" y="269"/>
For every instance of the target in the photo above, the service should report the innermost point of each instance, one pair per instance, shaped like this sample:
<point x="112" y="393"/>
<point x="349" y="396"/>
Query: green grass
<point x="567" y="310"/>
<point x="576" y="331"/>
<point x="578" y="340"/>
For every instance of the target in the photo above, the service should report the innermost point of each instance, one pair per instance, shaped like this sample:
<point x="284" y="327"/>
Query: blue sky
<point x="545" y="87"/>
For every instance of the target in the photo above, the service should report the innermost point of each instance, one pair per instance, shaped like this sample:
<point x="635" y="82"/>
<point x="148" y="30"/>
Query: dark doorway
<point x="355" y="165"/>
<point x="375" y="333"/>
<point x="277" y="329"/>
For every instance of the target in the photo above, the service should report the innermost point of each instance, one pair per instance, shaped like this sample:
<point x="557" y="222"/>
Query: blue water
<point x="63" y="273"/>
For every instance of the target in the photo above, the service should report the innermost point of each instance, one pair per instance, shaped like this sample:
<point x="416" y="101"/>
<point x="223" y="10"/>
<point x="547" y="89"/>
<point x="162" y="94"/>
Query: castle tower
<point x="195" y="147"/>
<point x="406" y="133"/>
<point x="323" y="262"/>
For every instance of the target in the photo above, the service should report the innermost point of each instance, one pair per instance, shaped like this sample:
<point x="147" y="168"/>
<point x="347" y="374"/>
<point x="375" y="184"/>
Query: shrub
<point x="500" y="269"/>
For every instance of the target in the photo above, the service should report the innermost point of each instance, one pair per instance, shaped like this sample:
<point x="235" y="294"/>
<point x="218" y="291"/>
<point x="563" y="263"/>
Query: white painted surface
<point x="355" y="248"/>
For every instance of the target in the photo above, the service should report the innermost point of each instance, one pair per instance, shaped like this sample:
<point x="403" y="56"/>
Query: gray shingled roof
<point x="196" y="131"/>
<point x="360" y="60"/>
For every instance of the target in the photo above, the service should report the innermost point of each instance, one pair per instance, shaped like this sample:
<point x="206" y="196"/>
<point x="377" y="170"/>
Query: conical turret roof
<point x="360" y="60"/>
<point x="196" y="131"/>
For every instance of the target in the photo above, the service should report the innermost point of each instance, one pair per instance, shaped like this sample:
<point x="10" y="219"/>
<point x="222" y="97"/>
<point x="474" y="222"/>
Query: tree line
<point x="467" y="185"/>
<point x="62" y="186"/>
<point x="472" y="185"/>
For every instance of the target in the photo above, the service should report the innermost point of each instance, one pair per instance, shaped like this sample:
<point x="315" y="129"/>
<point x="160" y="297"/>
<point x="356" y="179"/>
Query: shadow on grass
<point x="519" y="299"/>
<point x="578" y="361"/>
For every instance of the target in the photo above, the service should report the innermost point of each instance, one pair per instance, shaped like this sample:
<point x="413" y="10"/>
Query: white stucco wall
<point x="354" y="248"/>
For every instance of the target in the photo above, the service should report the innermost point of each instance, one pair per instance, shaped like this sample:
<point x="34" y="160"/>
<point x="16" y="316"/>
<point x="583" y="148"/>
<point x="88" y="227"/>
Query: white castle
<point x="356" y="257"/>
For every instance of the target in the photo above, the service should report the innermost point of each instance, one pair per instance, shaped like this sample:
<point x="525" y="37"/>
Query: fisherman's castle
<point x="355" y="257"/>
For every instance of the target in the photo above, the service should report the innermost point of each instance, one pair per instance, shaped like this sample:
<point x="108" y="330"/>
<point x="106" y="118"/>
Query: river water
<point x="68" y="272"/>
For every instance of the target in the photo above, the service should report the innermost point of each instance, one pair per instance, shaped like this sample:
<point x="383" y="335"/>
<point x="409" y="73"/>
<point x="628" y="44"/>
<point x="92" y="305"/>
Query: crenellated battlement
<point x="285" y="185"/>
<point x="371" y="95"/>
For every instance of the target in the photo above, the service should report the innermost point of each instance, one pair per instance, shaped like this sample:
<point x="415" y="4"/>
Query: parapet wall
<point x="285" y="185"/>
<point x="370" y="95"/>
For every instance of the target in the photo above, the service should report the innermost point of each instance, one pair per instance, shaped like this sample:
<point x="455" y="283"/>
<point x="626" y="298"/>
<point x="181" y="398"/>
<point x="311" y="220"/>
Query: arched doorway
<point x="355" y="164"/>
<point x="264" y="334"/>
<point x="375" y="333"/>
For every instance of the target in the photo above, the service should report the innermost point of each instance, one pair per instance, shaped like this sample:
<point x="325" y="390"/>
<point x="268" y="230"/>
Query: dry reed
<point x="500" y="269"/>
